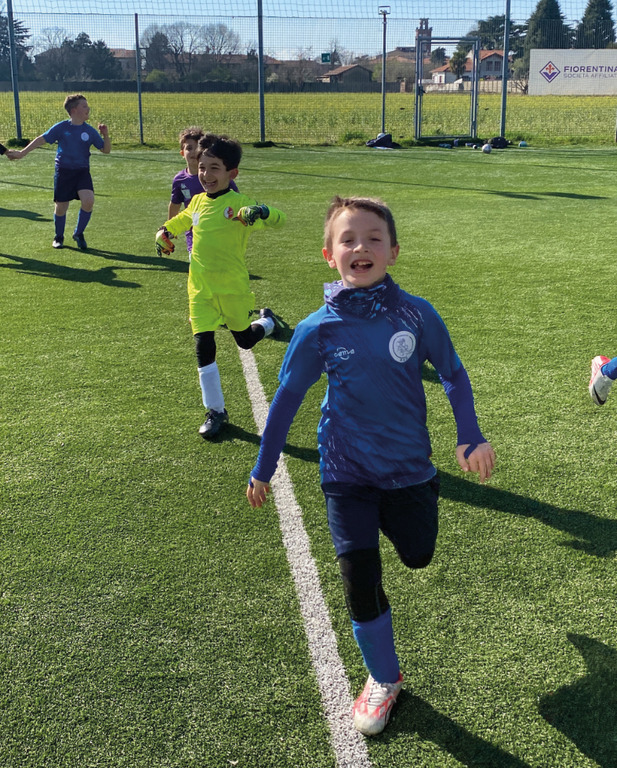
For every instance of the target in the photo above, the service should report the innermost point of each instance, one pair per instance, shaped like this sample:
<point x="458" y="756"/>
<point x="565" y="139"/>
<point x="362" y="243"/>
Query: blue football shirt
<point x="74" y="142"/>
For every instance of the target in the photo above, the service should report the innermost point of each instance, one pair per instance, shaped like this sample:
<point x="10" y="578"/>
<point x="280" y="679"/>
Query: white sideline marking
<point x="349" y="746"/>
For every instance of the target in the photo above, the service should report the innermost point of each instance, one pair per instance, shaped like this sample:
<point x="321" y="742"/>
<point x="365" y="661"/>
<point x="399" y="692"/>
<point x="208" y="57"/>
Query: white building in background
<point x="491" y="64"/>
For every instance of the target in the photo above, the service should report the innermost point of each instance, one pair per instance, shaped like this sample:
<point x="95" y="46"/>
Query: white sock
<point x="267" y="323"/>
<point x="211" y="391"/>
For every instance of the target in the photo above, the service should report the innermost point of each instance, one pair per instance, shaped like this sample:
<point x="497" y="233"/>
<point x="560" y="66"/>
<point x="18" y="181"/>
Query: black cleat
<point x="80" y="240"/>
<point x="213" y="423"/>
<point x="278" y="325"/>
<point x="58" y="242"/>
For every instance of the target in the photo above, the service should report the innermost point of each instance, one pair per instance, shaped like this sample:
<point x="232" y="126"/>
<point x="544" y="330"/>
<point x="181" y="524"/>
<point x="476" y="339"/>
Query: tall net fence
<point x="322" y="69"/>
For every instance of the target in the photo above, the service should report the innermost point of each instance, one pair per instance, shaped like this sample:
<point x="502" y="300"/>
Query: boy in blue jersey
<point x="371" y="339"/>
<point x="186" y="183"/>
<point x="72" y="180"/>
<point x="603" y="376"/>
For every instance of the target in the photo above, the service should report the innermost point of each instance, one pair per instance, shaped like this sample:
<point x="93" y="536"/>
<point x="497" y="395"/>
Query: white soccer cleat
<point x="599" y="385"/>
<point x="371" y="710"/>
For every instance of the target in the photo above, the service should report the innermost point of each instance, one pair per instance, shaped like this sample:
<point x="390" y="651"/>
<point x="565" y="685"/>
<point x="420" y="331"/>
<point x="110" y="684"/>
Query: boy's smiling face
<point x="213" y="175"/>
<point x="361" y="249"/>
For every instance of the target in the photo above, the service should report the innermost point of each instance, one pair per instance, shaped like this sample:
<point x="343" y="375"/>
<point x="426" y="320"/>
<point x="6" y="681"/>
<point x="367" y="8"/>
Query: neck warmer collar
<point x="362" y="302"/>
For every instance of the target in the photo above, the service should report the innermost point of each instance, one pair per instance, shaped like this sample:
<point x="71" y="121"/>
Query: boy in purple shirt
<point x="72" y="180"/>
<point x="186" y="184"/>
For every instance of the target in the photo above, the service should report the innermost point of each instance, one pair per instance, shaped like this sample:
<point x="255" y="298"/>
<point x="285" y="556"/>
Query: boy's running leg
<point x="213" y="400"/>
<point x="60" y="209"/>
<point x="272" y="325"/>
<point x="353" y="519"/>
<point x="82" y="222"/>
<point x="210" y="384"/>
<point x="86" y="197"/>
<point x="59" y="225"/>
<point x="361" y="572"/>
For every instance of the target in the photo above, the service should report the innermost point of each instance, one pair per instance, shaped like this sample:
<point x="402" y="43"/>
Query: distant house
<point x="126" y="57"/>
<point x="491" y="64"/>
<point x="350" y="74"/>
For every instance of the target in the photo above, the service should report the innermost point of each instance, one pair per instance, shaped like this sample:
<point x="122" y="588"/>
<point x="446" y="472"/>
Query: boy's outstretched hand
<point x="480" y="460"/>
<point x="251" y="213"/>
<point x="162" y="242"/>
<point x="256" y="492"/>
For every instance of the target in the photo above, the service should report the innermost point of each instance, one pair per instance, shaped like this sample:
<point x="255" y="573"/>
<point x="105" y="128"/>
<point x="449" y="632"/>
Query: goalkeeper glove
<point x="163" y="243"/>
<point x="250" y="213"/>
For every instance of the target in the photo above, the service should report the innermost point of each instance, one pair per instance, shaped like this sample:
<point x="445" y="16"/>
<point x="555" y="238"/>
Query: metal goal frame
<point x="423" y="47"/>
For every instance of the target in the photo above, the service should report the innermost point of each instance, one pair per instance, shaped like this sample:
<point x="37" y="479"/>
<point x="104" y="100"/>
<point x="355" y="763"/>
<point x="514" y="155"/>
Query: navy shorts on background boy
<point x="68" y="181"/>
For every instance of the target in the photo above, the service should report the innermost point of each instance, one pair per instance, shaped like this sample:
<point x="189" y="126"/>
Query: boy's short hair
<point x="207" y="140"/>
<point x="225" y="149"/>
<point x="372" y="204"/>
<point x="71" y="101"/>
<point x="192" y="133"/>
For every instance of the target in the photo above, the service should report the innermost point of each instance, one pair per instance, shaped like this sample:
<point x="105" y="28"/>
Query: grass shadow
<point x="425" y="185"/>
<point x="104" y="276"/>
<point x="20" y="213"/>
<point x="414" y="715"/>
<point x="593" y="535"/>
<point x="234" y="432"/>
<point x="573" y="196"/>
<point x="430" y="375"/>
<point x="169" y="265"/>
<point x="586" y="710"/>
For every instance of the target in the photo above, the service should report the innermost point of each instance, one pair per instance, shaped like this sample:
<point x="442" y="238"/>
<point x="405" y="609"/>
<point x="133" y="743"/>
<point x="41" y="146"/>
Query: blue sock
<point x="376" y="642"/>
<point x="610" y="369"/>
<point x="82" y="221"/>
<point x="59" y="223"/>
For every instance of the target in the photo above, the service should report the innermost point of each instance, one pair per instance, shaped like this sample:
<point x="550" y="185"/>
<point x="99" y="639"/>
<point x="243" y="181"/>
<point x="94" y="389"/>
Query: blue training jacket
<point x="372" y="344"/>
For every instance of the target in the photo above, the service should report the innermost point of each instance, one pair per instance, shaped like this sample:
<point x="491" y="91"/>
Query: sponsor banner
<point x="568" y="72"/>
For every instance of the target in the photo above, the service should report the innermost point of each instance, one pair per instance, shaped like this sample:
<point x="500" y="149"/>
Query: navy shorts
<point x="407" y="516"/>
<point x="69" y="181"/>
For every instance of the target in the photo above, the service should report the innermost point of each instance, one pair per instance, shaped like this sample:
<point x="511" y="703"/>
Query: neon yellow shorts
<point x="222" y="309"/>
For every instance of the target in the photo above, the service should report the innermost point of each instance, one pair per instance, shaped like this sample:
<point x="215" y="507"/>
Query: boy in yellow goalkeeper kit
<point x="218" y="284"/>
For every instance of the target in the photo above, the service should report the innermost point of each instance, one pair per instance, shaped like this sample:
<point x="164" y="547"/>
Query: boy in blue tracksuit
<point x="371" y="339"/>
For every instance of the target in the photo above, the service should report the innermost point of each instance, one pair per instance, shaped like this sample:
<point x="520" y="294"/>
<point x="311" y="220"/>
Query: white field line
<point x="348" y="744"/>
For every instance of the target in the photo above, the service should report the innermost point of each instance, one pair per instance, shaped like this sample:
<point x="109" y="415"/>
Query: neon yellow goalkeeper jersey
<point x="219" y="243"/>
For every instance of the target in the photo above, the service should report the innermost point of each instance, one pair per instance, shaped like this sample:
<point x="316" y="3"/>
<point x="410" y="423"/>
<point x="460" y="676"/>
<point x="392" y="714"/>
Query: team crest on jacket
<point x="228" y="213"/>
<point x="402" y="346"/>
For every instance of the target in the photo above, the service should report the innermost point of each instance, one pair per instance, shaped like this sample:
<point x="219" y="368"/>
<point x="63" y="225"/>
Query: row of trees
<point x="185" y="51"/>
<point x="545" y="28"/>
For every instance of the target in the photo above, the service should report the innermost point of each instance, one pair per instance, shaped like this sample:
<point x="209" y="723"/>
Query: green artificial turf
<point x="147" y="614"/>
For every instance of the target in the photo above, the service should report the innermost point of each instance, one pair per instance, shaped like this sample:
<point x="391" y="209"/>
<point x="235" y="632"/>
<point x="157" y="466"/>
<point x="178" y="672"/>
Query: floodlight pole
<point x="384" y="10"/>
